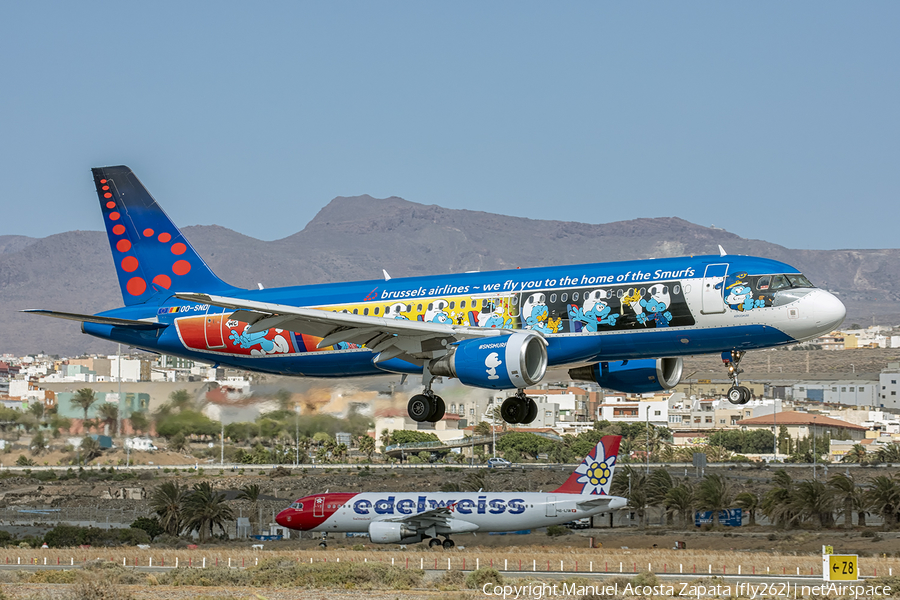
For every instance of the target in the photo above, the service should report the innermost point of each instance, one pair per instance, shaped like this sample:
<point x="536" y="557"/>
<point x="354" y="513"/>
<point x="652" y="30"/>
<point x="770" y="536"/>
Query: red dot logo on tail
<point x="181" y="267"/>
<point x="136" y="286"/>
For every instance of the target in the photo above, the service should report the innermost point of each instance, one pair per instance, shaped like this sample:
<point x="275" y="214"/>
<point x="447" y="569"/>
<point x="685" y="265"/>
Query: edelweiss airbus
<point x="408" y="518"/>
<point x="624" y="325"/>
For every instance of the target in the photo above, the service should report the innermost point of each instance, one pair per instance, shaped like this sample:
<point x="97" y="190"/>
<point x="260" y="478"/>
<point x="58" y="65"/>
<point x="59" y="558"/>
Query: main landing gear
<point x="519" y="409"/>
<point x="447" y="543"/>
<point x="738" y="394"/>
<point x="426" y="406"/>
<point x="324" y="543"/>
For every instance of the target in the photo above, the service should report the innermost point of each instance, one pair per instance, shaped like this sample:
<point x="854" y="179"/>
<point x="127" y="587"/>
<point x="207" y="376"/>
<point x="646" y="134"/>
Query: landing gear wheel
<point x="434" y="543"/>
<point x="746" y="393"/>
<point x="532" y="413"/>
<point x="514" y="410"/>
<point x="420" y="408"/>
<point x="439" y="408"/>
<point x="323" y="545"/>
<point x="736" y="395"/>
<point x="448" y="543"/>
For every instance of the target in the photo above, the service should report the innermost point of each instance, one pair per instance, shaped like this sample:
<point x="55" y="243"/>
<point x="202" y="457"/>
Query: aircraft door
<point x="551" y="506"/>
<point x="214" y="327"/>
<point x="319" y="507"/>
<point x="713" y="298"/>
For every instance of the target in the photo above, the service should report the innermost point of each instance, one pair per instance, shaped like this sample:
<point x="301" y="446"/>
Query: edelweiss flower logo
<point x="595" y="476"/>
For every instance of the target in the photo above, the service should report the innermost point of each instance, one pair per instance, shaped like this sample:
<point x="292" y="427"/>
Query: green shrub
<point x="555" y="530"/>
<point x="476" y="580"/>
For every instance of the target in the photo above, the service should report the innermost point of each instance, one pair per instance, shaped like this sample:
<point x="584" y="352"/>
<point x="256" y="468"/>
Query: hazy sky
<point x="774" y="120"/>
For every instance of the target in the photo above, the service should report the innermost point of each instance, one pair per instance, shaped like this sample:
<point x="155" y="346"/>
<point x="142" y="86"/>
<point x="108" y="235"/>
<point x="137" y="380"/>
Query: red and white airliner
<point x="408" y="518"/>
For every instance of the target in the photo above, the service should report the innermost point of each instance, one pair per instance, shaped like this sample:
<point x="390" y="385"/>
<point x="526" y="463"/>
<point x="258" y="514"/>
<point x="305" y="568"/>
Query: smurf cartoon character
<point x="437" y="312"/>
<point x="492" y="362"/>
<point x="395" y="311"/>
<point x="276" y="345"/>
<point x="595" y="312"/>
<point x="740" y="297"/>
<point x="655" y="311"/>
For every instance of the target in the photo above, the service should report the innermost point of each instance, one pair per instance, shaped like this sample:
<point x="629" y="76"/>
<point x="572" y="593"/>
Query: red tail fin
<point x="594" y="475"/>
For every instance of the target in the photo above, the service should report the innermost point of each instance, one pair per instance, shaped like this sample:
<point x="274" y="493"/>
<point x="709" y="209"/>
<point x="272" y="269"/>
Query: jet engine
<point x="383" y="532"/>
<point x="500" y="363"/>
<point x="633" y="376"/>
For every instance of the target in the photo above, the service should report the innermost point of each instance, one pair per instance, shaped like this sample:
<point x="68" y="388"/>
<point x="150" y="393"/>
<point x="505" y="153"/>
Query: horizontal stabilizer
<point x="96" y="319"/>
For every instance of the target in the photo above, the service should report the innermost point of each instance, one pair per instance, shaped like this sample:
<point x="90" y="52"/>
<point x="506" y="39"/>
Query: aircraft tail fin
<point x="594" y="474"/>
<point x="150" y="253"/>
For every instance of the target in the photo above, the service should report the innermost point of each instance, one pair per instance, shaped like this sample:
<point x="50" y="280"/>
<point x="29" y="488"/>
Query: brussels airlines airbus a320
<point x="409" y="517"/>
<point x="623" y="325"/>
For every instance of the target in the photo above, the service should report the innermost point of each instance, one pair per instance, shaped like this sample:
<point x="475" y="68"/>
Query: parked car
<point x="579" y="523"/>
<point x="498" y="463"/>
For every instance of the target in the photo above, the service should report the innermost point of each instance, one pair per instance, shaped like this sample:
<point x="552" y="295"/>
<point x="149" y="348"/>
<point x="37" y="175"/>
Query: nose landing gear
<point x="738" y="394"/>
<point x="519" y="409"/>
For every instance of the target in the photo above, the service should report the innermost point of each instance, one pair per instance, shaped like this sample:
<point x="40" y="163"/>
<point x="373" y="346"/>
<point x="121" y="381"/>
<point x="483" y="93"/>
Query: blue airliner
<point x="623" y="325"/>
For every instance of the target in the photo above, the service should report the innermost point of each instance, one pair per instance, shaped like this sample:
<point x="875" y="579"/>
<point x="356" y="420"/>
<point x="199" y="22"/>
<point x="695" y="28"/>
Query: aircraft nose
<point x="830" y="311"/>
<point x="281" y="519"/>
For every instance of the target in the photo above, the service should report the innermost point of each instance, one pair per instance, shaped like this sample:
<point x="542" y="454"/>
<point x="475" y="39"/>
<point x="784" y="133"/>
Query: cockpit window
<point x="779" y="282"/>
<point x="297" y="505"/>
<point x="799" y="281"/>
<point x="763" y="283"/>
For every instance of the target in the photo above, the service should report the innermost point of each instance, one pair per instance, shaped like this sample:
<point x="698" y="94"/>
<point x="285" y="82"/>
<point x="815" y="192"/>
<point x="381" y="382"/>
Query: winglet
<point x="722" y="250"/>
<point x="386" y="276"/>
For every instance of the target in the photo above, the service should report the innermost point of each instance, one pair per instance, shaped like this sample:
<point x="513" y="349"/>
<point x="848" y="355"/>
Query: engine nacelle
<point x="500" y="363"/>
<point x="382" y="532"/>
<point x="633" y="376"/>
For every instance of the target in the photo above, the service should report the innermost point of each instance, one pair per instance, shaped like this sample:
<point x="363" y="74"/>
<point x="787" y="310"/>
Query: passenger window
<point x="643" y="291"/>
<point x="574" y="296"/>
<point x="619" y="293"/>
<point x="419" y="309"/>
<point x="430" y="306"/>
<point x="376" y="310"/>
<point x="564" y="297"/>
<point x="675" y="290"/>
<point x="452" y="305"/>
<point x="552" y="297"/>
<point x="365" y="311"/>
<point x="355" y="311"/>
<point x="462" y="304"/>
<point x="408" y="307"/>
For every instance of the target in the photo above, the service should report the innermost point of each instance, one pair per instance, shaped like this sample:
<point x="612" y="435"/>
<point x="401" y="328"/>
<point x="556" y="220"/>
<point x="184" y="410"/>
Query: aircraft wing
<point x="387" y="338"/>
<point x="440" y="516"/>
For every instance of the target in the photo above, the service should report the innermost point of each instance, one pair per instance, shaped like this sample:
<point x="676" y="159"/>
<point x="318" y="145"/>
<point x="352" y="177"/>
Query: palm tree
<point x="714" y="494"/>
<point x="366" y="446"/>
<point x="658" y="486"/>
<point x="681" y="500"/>
<point x="108" y="413"/>
<point x="846" y="494"/>
<point x="251" y="493"/>
<point x="483" y="428"/>
<point x="778" y="504"/>
<point x="884" y="498"/>
<point x="812" y="501"/>
<point x="385" y="439"/>
<point x="205" y="508"/>
<point x="749" y="502"/>
<point x="166" y="501"/>
<point x="84" y="398"/>
<point x="632" y="484"/>
<point x="889" y="453"/>
<point x="89" y="449"/>
<point x="856" y="454"/>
